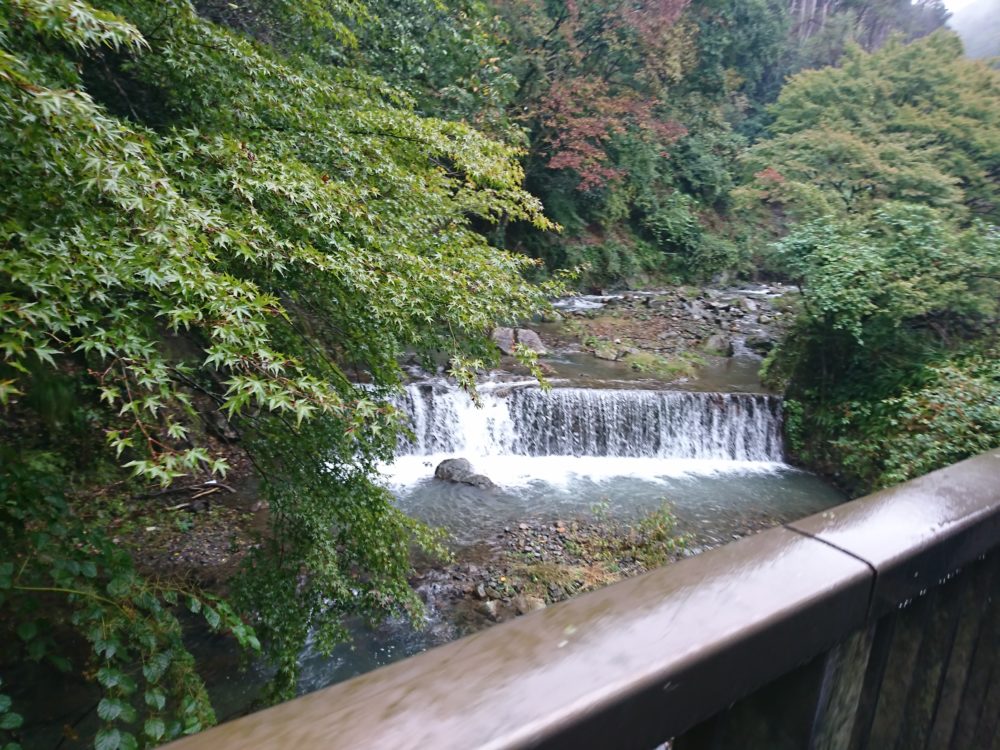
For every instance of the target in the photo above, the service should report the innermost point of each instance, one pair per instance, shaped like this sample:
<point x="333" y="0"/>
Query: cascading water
<point x="527" y="421"/>
<point x="717" y="458"/>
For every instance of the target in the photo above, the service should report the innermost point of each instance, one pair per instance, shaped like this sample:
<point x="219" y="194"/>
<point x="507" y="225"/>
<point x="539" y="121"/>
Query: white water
<point x="521" y="435"/>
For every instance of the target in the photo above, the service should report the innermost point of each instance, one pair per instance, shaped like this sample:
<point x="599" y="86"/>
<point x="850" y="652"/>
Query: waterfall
<point x="527" y="421"/>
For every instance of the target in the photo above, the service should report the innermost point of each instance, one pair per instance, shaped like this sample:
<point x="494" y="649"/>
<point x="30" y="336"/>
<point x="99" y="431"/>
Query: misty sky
<point x="954" y="5"/>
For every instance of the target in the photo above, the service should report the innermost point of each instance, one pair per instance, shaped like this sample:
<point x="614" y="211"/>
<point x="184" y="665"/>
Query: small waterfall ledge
<point x="526" y="421"/>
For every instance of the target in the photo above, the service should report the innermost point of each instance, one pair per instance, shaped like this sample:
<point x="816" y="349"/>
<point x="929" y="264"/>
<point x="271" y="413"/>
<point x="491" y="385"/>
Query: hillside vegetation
<point x="223" y="224"/>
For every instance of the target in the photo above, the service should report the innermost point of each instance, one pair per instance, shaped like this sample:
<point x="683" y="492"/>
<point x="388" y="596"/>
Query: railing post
<point x="843" y="680"/>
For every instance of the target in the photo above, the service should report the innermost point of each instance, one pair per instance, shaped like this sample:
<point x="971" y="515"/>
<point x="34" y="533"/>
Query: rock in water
<point x="720" y="344"/>
<point x="527" y="337"/>
<point x="459" y="470"/>
<point x="761" y="344"/>
<point x="481" y="481"/>
<point x="452" y="467"/>
<point x="504" y="339"/>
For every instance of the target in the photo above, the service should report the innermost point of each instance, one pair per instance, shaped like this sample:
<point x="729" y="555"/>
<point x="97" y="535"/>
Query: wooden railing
<point x="874" y="625"/>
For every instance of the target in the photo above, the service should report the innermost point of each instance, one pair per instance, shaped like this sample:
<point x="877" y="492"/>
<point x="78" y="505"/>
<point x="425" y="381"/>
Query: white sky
<point x="954" y="5"/>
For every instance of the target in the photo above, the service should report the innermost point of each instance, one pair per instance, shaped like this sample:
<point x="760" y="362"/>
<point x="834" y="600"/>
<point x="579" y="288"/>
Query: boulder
<point x="760" y="344"/>
<point x="719" y="344"/>
<point x="491" y="609"/>
<point x="606" y="351"/>
<point x="527" y="337"/>
<point x="504" y="339"/>
<point x="481" y="481"/>
<point x="451" y="468"/>
<point x="459" y="471"/>
<point x="525" y="604"/>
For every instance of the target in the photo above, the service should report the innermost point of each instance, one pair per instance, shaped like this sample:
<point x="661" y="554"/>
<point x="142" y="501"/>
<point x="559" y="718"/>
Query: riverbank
<point x="533" y="564"/>
<point x="709" y="339"/>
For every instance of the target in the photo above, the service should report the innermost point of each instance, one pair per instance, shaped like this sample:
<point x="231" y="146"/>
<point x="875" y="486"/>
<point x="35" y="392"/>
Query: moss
<point x="685" y="364"/>
<point x="595" y="554"/>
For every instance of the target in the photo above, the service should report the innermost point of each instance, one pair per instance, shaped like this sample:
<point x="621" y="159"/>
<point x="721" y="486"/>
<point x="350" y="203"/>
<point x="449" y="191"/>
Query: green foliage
<point x="870" y="276"/>
<point x="635" y="138"/>
<point x="322" y="28"/>
<point x="611" y="260"/>
<point x="632" y="116"/>
<point x="131" y="624"/>
<point x="947" y="412"/>
<point x="248" y="206"/>
<point x="880" y="175"/>
<point x="954" y="415"/>
<point x="876" y="363"/>
<point x="193" y="213"/>
<point x="10" y="721"/>
<point x="451" y="57"/>
<point x="743" y="50"/>
<point x="916" y="123"/>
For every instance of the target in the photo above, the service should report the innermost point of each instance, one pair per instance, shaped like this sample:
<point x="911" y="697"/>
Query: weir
<point x="528" y="421"/>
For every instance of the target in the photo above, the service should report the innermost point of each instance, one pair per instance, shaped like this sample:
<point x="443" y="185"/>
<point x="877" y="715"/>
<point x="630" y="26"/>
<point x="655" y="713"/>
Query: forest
<point x="236" y="217"/>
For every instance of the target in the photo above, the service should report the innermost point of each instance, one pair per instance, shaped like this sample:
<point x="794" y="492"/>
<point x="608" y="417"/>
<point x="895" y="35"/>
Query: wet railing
<point x="874" y="625"/>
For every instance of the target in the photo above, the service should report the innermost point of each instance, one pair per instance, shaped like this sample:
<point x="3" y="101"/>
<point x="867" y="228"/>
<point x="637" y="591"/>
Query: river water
<point x="716" y="457"/>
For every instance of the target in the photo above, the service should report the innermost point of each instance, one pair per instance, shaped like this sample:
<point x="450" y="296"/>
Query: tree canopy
<point x="192" y="213"/>
<point x="914" y="122"/>
<point x="881" y="181"/>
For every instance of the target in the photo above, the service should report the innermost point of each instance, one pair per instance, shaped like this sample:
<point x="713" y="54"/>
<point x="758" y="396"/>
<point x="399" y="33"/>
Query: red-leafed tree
<point x="593" y="72"/>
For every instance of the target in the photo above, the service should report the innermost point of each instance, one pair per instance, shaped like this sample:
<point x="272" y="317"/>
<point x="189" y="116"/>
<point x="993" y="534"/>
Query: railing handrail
<point x="648" y="658"/>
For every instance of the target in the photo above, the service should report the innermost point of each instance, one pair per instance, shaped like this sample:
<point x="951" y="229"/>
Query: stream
<point x="716" y="458"/>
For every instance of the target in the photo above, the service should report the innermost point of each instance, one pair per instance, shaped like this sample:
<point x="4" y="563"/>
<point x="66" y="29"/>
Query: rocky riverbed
<point x="529" y="565"/>
<point x="672" y="336"/>
<point x="673" y="320"/>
